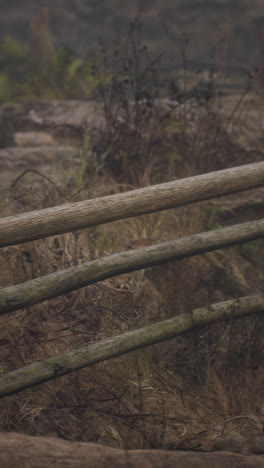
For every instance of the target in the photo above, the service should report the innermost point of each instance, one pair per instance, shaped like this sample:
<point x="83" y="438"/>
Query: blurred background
<point x="193" y="35"/>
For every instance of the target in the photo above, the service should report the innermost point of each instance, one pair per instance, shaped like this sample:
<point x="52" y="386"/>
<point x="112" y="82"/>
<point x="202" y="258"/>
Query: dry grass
<point x="177" y="394"/>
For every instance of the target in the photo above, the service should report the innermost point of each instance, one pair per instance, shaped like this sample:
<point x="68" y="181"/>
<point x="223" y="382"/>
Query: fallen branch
<point x="79" y="215"/>
<point x="58" y="366"/>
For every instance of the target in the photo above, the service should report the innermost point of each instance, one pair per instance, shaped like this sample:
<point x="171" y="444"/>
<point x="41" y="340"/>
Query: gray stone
<point x="234" y="444"/>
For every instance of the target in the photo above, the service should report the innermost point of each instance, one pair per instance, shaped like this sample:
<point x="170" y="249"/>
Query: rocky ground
<point x="48" y="136"/>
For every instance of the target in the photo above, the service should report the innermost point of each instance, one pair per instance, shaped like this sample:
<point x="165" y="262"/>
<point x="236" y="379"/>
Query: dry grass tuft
<point x="177" y="394"/>
<point x="173" y="395"/>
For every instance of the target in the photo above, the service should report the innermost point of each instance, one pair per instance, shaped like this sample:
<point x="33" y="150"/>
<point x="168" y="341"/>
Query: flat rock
<point x="47" y="159"/>
<point x="25" y="139"/>
<point x="60" y="119"/>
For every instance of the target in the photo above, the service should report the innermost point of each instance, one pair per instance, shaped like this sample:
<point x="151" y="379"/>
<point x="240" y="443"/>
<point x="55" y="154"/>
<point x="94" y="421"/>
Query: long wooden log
<point x="24" y="451"/>
<point x="57" y="366"/>
<point x="70" y="217"/>
<point x="61" y="282"/>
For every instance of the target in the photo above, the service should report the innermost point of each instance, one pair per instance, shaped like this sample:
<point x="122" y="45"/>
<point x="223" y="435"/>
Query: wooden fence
<point x="73" y="216"/>
<point x="69" y="217"/>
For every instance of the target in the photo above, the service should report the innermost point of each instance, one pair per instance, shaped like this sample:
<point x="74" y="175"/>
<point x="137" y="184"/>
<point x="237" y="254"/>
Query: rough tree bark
<point x="70" y="217"/>
<point x="57" y="366"/>
<point x="55" y="284"/>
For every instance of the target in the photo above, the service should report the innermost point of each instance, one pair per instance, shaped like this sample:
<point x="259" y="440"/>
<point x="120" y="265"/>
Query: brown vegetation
<point x="178" y="394"/>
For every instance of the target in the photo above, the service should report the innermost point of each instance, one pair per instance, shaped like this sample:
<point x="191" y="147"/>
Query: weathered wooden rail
<point x="56" y="284"/>
<point x="69" y="217"/>
<point x="52" y="221"/>
<point x="57" y="366"/>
